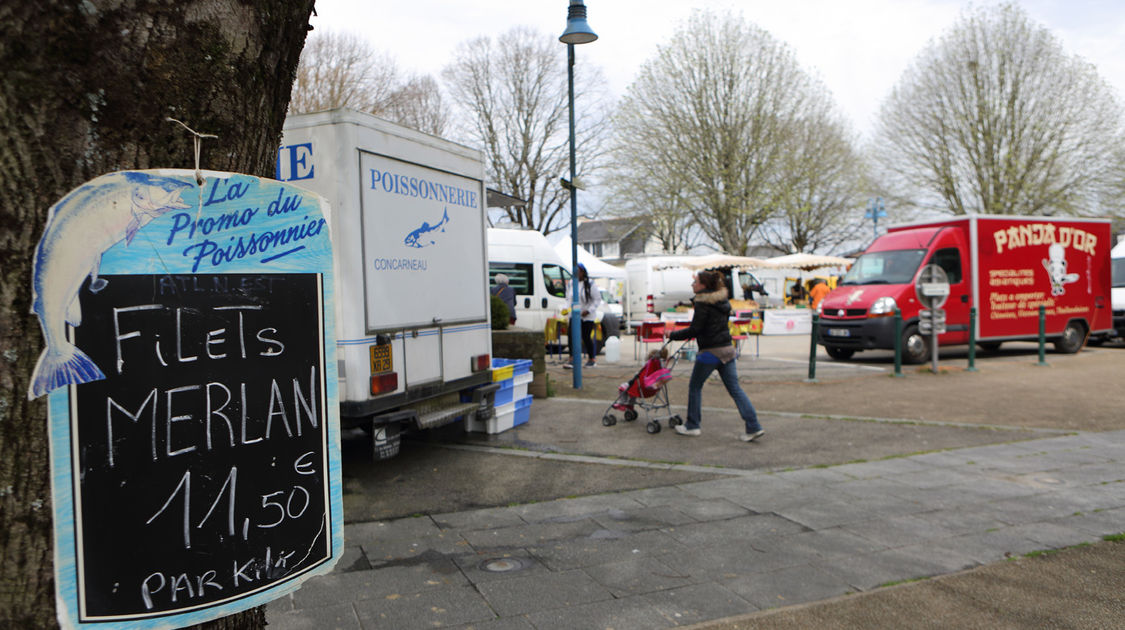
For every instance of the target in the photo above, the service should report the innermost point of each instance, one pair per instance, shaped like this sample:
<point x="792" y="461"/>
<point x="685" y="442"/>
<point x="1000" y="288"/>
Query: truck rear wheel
<point x="840" y="354"/>
<point x="915" y="347"/>
<point x="1073" y="337"/>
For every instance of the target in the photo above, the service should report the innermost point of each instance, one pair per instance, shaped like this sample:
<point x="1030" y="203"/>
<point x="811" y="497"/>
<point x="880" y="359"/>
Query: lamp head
<point x="577" y="30"/>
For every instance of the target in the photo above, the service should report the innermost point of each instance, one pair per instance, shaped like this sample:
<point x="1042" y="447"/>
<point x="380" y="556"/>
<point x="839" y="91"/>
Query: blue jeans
<point x="589" y="344"/>
<point x="729" y="373"/>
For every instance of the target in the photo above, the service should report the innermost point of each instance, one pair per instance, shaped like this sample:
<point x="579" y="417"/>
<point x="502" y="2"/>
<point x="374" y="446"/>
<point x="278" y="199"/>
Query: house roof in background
<point x="601" y="230"/>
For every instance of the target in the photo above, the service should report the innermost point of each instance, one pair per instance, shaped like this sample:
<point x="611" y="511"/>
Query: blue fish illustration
<point x="80" y="228"/>
<point x="414" y="238"/>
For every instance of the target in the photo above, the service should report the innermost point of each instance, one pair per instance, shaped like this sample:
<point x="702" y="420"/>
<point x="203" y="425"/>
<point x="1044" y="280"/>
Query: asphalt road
<point x="856" y="411"/>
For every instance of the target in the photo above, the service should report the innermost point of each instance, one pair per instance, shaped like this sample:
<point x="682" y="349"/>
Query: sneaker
<point x="591" y="364"/>
<point x="682" y="430"/>
<point x="750" y="437"/>
<point x="568" y="366"/>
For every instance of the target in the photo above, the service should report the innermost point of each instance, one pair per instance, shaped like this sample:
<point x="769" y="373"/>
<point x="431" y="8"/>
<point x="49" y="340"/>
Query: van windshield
<point x="556" y="279"/>
<point x="1118" y="272"/>
<point x="895" y="266"/>
<point x="750" y="283"/>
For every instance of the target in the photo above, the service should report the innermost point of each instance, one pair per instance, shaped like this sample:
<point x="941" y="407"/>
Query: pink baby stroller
<point x="648" y="389"/>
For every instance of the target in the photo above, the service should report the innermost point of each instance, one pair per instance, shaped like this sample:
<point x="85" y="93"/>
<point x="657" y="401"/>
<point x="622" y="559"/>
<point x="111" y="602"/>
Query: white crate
<point x="513" y="389"/>
<point x="505" y="417"/>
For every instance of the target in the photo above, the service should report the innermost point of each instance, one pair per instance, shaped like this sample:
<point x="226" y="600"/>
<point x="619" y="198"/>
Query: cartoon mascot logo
<point x="1055" y="264"/>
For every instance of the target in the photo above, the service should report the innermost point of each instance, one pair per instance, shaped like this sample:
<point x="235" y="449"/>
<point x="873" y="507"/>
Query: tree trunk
<point x="85" y="89"/>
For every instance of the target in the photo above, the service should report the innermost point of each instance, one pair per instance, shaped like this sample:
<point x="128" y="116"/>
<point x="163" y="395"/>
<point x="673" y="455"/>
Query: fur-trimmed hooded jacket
<point x="710" y="324"/>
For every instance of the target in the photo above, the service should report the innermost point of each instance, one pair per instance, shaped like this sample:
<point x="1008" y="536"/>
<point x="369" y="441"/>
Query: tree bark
<point x="85" y="89"/>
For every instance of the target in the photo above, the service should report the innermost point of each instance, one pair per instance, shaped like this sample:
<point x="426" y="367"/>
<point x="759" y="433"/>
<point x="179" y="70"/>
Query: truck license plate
<point x="839" y="332"/>
<point x="382" y="359"/>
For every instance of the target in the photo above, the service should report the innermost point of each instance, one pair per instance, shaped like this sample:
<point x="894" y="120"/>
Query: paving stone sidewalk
<point x="681" y="555"/>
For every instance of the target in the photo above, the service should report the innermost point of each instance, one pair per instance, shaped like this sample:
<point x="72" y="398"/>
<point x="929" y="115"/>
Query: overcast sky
<point x="859" y="48"/>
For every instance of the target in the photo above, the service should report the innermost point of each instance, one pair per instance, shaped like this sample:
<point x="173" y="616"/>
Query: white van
<point x="534" y="270"/>
<point x="650" y="287"/>
<point x="654" y="284"/>
<point x="1117" y="297"/>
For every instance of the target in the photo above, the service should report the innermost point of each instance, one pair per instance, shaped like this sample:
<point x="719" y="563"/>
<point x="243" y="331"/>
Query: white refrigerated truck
<point x="407" y="218"/>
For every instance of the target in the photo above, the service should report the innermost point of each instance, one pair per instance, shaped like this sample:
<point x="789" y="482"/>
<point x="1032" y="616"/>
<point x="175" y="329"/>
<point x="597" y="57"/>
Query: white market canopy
<point x="719" y="261"/>
<point x="595" y="267"/>
<point x="808" y="262"/>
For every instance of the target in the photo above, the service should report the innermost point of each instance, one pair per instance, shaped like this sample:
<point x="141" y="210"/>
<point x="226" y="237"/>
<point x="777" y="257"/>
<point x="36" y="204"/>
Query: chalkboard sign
<point x="195" y="416"/>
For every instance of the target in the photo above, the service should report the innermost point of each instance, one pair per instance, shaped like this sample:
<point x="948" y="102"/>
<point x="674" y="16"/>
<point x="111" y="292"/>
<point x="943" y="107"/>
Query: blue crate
<point x="519" y="366"/>
<point x="512" y="389"/>
<point x="523" y="411"/>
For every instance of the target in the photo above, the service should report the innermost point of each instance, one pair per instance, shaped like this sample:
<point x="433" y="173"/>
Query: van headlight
<point x="883" y="307"/>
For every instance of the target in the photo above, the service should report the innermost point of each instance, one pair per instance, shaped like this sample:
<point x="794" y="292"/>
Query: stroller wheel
<point x="630" y="415"/>
<point x="653" y="427"/>
<point x="608" y="420"/>
<point x="674" y="420"/>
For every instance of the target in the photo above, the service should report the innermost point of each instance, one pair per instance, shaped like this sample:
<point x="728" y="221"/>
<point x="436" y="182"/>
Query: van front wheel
<point x="1073" y="337"/>
<point x="840" y="354"/>
<point x="915" y="347"/>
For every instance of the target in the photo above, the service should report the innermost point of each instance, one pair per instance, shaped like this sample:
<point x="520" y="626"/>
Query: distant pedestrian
<point x="817" y="292"/>
<point x="710" y="328"/>
<point x="797" y="294"/>
<point x="506" y="293"/>
<point x="589" y="299"/>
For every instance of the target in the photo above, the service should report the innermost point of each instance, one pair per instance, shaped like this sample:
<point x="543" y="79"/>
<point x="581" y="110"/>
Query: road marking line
<point x="610" y="461"/>
<point x="852" y="418"/>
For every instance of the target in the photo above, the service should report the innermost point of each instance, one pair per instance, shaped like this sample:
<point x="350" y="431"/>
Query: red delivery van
<point x="1005" y="266"/>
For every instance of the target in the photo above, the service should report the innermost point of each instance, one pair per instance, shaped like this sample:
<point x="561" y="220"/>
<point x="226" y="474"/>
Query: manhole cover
<point x="1036" y="480"/>
<point x="504" y="565"/>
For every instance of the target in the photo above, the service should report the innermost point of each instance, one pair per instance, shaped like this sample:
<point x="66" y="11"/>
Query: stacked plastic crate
<point x="512" y="403"/>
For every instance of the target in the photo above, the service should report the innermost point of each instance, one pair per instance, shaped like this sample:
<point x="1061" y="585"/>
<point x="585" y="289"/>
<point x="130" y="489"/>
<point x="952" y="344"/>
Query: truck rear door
<point x="425" y="269"/>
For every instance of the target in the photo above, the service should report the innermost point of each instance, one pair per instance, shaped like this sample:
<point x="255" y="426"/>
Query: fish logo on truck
<point x="1055" y="264"/>
<point x="418" y="238"/>
<point x="100" y="214"/>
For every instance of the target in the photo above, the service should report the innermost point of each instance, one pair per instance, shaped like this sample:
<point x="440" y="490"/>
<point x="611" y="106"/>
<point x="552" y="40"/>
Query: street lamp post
<point x="577" y="32"/>
<point x="875" y="211"/>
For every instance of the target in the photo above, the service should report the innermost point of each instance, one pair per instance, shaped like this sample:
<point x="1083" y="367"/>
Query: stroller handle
<point x="672" y="354"/>
<point x="670" y="341"/>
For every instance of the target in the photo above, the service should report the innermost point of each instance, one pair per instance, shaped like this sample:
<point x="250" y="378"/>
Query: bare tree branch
<point x="512" y="92"/>
<point x="995" y="118"/>
<point x="725" y="122"/>
<point x="343" y="70"/>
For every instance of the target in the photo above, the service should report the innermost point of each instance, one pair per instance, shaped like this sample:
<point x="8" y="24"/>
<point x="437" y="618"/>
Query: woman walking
<point x="710" y="327"/>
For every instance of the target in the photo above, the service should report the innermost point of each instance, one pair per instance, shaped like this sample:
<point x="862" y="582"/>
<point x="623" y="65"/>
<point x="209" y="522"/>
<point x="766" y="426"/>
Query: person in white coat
<point x="589" y="301"/>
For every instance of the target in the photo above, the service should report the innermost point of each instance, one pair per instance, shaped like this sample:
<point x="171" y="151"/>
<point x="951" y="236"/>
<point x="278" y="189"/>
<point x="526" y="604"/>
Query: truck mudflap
<point x="386" y="433"/>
